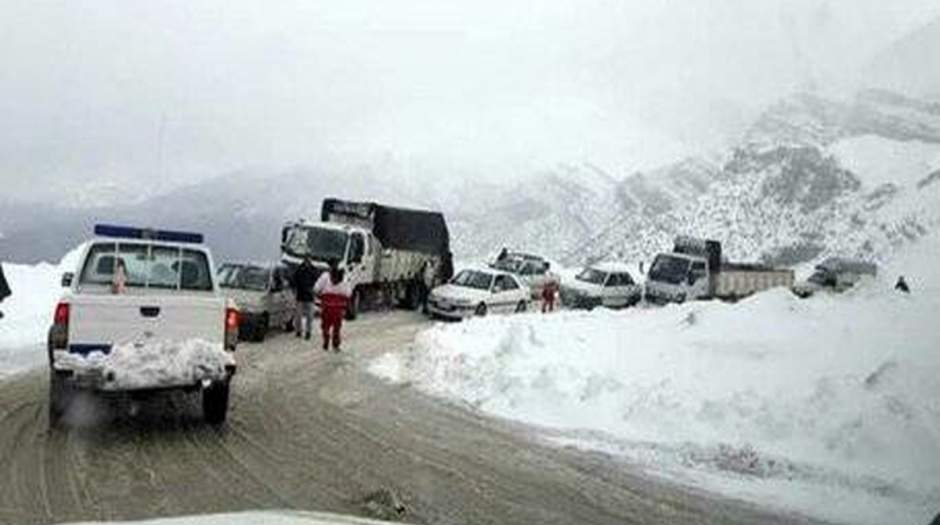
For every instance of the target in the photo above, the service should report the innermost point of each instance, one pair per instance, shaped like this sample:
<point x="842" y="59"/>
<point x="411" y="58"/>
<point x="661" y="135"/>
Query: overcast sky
<point x="169" y="92"/>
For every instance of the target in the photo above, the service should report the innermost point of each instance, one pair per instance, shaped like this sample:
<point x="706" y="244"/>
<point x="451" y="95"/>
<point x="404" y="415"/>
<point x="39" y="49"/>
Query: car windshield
<point x="822" y="278"/>
<point x="323" y="244"/>
<point x="591" y="275"/>
<point x="669" y="269"/>
<point x="245" y="277"/>
<point x="473" y="279"/>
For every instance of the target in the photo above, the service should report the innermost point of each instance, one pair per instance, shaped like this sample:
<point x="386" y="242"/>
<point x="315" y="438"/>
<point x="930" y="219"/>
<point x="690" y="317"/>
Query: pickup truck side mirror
<point x="67" y="278"/>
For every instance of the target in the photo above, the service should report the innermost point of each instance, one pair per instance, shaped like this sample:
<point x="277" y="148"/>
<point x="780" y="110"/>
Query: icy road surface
<point x="312" y="431"/>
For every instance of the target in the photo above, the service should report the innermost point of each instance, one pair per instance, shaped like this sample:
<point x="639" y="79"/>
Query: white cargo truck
<point x="695" y="270"/>
<point x="142" y="313"/>
<point x="385" y="252"/>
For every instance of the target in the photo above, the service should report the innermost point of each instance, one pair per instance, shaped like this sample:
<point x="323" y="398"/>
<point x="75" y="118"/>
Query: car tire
<point x="352" y="309"/>
<point x="215" y="402"/>
<point x="481" y="310"/>
<point x="60" y="397"/>
<point x="260" y="330"/>
<point x="521" y="307"/>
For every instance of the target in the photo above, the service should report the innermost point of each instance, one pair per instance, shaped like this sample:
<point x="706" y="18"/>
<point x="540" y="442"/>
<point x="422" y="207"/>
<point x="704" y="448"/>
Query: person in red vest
<point x="334" y="293"/>
<point x="550" y="290"/>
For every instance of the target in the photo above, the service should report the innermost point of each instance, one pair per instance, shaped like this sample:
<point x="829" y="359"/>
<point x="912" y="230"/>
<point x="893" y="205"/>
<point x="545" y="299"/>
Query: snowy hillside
<point x="825" y="406"/>
<point x="813" y="176"/>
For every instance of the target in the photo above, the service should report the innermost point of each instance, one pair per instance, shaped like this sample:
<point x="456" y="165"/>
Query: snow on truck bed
<point x="828" y="406"/>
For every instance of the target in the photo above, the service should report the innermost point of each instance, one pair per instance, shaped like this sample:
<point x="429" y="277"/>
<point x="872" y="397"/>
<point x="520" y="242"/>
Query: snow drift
<point x="827" y="406"/>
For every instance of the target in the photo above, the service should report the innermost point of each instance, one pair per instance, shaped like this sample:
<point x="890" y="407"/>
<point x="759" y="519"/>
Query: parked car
<point x="142" y="313"/>
<point x="479" y="291"/>
<point x="263" y="297"/>
<point x="533" y="270"/>
<point x="603" y="284"/>
<point x="835" y="274"/>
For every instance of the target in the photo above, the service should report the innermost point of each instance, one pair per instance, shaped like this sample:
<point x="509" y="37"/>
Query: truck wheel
<point x="60" y="397"/>
<point x="260" y="330"/>
<point x="352" y="310"/>
<point x="215" y="402"/>
<point x="521" y="307"/>
<point x="481" y="310"/>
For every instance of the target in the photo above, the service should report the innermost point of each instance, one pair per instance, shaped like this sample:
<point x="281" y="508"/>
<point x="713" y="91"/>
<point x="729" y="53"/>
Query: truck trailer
<point x="387" y="253"/>
<point x="695" y="269"/>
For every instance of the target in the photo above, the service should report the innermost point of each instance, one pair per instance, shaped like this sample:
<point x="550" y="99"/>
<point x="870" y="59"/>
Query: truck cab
<point x="142" y="312"/>
<point x="677" y="277"/>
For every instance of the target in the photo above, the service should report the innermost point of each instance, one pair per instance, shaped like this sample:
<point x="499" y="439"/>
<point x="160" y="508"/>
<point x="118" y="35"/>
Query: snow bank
<point x="155" y="364"/>
<point x="829" y="406"/>
<point x="28" y="312"/>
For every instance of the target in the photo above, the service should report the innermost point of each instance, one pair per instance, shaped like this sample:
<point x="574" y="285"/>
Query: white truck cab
<point x="142" y="312"/>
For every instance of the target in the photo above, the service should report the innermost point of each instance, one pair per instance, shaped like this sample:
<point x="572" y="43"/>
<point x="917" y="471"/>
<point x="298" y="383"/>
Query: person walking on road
<point x="334" y="293"/>
<point x="304" y="279"/>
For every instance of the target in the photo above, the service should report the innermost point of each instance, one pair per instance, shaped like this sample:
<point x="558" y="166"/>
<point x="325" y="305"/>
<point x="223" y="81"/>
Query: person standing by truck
<point x="334" y="294"/>
<point x="304" y="280"/>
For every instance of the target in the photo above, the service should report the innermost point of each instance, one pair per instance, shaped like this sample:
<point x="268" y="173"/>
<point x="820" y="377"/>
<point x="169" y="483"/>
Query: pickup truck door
<point x="358" y="268"/>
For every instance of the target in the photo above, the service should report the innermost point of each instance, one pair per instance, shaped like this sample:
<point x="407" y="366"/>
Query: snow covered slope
<point x="28" y="312"/>
<point x="825" y="406"/>
<point x="813" y="176"/>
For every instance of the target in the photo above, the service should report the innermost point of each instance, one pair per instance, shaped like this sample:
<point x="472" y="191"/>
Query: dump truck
<point x="695" y="269"/>
<point x="386" y="252"/>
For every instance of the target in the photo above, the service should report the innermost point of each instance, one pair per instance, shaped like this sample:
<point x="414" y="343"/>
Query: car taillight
<point x="231" y="328"/>
<point x="61" y="316"/>
<point x="231" y="319"/>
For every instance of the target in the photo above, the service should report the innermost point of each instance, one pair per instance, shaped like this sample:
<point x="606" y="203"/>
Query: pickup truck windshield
<point x="245" y="278"/>
<point x="669" y="269"/>
<point x="147" y="266"/>
<point x="590" y="275"/>
<point x="473" y="279"/>
<point x="322" y="244"/>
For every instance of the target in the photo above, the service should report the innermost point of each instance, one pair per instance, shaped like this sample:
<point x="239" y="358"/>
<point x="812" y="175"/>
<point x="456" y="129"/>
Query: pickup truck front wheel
<point x="215" y="402"/>
<point x="352" y="309"/>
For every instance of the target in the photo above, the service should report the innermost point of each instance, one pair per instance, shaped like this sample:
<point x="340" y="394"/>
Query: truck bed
<point x="735" y="282"/>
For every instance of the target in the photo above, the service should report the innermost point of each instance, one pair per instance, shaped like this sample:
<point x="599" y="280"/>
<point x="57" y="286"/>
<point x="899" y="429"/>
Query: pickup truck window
<point x="356" y="248"/>
<point x="150" y="266"/>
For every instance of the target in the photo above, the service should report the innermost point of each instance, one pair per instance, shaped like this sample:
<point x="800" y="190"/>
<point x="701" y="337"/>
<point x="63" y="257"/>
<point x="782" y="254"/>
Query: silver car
<point x="262" y="294"/>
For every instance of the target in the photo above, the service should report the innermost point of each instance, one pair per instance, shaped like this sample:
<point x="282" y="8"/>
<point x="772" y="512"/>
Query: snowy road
<point x="316" y="432"/>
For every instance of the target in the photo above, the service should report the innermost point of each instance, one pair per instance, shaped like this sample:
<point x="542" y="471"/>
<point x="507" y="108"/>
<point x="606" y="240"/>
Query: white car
<point x="142" y="313"/>
<point x="532" y="270"/>
<point x="479" y="292"/>
<point x="604" y="284"/>
<point x="262" y="295"/>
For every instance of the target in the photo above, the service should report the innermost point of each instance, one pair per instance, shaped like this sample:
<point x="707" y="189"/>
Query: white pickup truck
<point x="142" y="313"/>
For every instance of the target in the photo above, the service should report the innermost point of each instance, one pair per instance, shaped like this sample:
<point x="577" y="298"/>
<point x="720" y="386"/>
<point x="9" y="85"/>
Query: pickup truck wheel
<point x="215" y="402"/>
<point x="60" y="397"/>
<point x="260" y="330"/>
<point x="481" y="310"/>
<point x="352" y="310"/>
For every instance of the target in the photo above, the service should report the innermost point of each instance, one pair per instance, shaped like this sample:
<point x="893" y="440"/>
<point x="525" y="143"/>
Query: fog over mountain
<point x="567" y="122"/>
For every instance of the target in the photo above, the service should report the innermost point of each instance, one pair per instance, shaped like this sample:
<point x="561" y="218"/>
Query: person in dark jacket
<point x="902" y="286"/>
<point x="4" y="288"/>
<point x="447" y="267"/>
<point x="304" y="279"/>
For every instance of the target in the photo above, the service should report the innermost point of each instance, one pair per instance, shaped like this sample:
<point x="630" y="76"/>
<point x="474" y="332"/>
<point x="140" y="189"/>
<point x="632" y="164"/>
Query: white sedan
<point x="479" y="292"/>
<point x="604" y="284"/>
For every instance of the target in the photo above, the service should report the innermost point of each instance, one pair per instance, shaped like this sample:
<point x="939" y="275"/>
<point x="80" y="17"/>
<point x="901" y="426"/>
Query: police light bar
<point x="130" y="232"/>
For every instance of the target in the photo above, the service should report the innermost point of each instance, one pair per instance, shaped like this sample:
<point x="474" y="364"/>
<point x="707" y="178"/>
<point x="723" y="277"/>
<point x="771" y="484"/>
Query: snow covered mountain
<point x="811" y="177"/>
